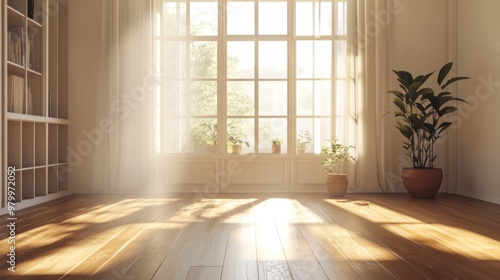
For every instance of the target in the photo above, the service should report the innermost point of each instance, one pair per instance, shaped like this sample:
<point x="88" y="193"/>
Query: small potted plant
<point x="204" y="138"/>
<point x="237" y="140"/>
<point x="336" y="155"/>
<point x="276" y="146"/>
<point x="304" y="140"/>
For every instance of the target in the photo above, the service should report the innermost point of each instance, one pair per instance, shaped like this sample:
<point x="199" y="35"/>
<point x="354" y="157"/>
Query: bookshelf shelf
<point x="16" y="18"/>
<point x="34" y="91"/>
<point x="33" y="23"/>
<point x="32" y="72"/>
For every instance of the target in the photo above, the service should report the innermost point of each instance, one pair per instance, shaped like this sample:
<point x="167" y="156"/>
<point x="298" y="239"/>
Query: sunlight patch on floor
<point x="441" y="237"/>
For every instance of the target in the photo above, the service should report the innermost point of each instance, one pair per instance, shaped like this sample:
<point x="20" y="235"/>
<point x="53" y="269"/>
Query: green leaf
<point x="447" y="110"/>
<point x="404" y="84"/>
<point x="400" y="105"/>
<point x="440" y="101"/>
<point x="430" y="128"/>
<point x="444" y="126"/>
<point x="421" y="108"/>
<point x="413" y="94"/>
<point x="444" y="93"/>
<point x="426" y="91"/>
<point x="404" y="75"/>
<point x="423" y="78"/>
<point x="398" y="94"/>
<point x="444" y="72"/>
<point x="405" y="130"/>
<point x="452" y="80"/>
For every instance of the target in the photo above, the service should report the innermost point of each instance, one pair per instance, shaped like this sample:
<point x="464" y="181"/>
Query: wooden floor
<point x="245" y="236"/>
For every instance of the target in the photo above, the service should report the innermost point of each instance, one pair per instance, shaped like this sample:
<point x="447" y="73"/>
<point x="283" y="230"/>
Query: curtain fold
<point x="373" y="171"/>
<point x="125" y="98"/>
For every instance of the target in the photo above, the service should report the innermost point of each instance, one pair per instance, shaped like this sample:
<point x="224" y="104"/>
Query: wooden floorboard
<point x="255" y="236"/>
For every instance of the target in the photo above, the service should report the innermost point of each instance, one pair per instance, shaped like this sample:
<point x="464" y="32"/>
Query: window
<point x="250" y="69"/>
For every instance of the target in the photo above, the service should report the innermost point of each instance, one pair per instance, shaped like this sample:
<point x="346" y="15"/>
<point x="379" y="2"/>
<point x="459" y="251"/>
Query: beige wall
<point x="84" y="58"/>
<point x="479" y="134"/>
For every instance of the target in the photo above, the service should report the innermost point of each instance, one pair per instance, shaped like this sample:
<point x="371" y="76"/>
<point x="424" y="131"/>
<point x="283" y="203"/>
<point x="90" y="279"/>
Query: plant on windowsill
<point x="237" y="139"/>
<point x="204" y="138"/>
<point x="304" y="140"/>
<point x="276" y="146"/>
<point x="422" y="113"/>
<point x="336" y="155"/>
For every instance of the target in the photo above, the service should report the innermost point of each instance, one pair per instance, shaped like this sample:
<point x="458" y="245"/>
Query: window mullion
<point x="333" y="83"/>
<point x="291" y="83"/>
<point x="222" y="77"/>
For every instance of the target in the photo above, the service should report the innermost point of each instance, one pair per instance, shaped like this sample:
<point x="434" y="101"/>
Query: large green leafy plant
<point x="422" y="112"/>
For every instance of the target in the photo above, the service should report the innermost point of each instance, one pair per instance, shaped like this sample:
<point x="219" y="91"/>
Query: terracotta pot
<point x="301" y="151"/>
<point x="336" y="185"/>
<point x="276" y="149"/>
<point x="422" y="183"/>
<point x="237" y="149"/>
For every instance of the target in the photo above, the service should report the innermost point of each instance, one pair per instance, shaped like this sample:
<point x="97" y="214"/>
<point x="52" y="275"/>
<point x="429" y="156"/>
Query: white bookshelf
<point x="35" y="100"/>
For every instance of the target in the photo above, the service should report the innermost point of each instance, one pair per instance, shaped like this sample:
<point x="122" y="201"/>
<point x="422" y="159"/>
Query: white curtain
<point x="125" y="98"/>
<point x="373" y="171"/>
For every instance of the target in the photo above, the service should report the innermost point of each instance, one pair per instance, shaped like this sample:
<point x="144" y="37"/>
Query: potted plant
<point x="204" y="138"/>
<point x="276" y="145"/>
<point x="336" y="155"/>
<point x="421" y="112"/>
<point x="304" y="140"/>
<point x="236" y="140"/>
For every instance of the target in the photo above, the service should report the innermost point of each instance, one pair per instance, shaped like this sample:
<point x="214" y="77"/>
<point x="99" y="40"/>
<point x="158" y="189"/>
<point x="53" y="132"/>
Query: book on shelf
<point x="16" y="45"/>
<point x="15" y="94"/>
<point x="31" y="8"/>
<point x="30" y="102"/>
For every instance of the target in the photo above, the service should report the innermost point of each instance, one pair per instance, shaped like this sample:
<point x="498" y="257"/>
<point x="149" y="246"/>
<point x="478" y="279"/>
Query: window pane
<point x="314" y="98"/>
<point x="240" y="18"/>
<point x="341" y="59"/>
<point x="304" y="18"/>
<point x="313" y="18"/>
<point x="175" y="135"/>
<point x="204" y="18"/>
<point x="240" y="98"/>
<point x="304" y="59"/>
<point x="204" y="59"/>
<point x="323" y="98"/>
<point x="304" y="98"/>
<point x="341" y="28"/>
<point x="204" y="98"/>
<point x="341" y="98"/>
<point x="175" y="59"/>
<point x="314" y="59"/>
<point x="273" y="59"/>
<point x="175" y="98"/>
<point x="240" y="60"/>
<point x="325" y="18"/>
<point x="303" y="139"/>
<point x="272" y="128"/>
<point x="273" y="98"/>
<point x="241" y="129"/>
<point x="174" y="19"/>
<point x="273" y="18"/>
<point x="319" y="129"/>
<point x="203" y="135"/>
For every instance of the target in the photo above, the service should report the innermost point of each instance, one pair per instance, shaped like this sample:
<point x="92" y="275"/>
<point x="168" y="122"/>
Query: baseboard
<point x="491" y="199"/>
